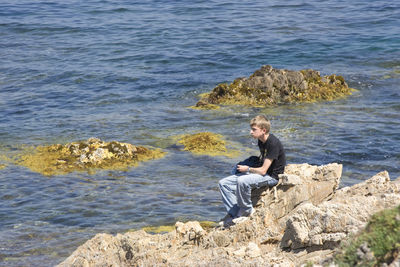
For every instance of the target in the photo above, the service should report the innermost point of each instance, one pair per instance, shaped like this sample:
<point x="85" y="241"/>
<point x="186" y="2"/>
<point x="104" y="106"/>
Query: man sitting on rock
<point x="254" y="172"/>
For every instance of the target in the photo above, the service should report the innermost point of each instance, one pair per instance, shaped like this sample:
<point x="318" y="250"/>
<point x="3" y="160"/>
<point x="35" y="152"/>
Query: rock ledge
<point x="303" y="219"/>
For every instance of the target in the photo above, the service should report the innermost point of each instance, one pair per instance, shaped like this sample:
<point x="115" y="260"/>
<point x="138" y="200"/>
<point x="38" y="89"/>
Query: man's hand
<point x="243" y="168"/>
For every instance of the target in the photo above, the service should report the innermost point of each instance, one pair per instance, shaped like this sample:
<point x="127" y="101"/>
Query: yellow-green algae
<point x="85" y="156"/>
<point x="269" y="86"/>
<point x="394" y="74"/>
<point x="4" y="160"/>
<point x="159" y="229"/>
<point x="207" y="143"/>
<point x="169" y="228"/>
<point x="204" y="105"/>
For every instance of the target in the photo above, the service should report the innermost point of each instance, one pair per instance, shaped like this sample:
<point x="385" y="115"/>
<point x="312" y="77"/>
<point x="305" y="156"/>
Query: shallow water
<point x="128" y="71"/>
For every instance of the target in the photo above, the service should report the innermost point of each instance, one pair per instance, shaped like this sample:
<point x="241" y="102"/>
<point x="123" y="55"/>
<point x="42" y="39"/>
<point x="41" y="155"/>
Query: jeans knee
<point x="241" y="182"/>
<point x="221" y="183"/>
<point x="272" y="182"/>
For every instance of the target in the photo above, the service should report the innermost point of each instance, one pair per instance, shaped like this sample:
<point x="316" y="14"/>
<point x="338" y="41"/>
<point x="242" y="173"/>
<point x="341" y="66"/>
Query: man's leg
<point x="227" y="188"/>
<point x="245" y="183"/>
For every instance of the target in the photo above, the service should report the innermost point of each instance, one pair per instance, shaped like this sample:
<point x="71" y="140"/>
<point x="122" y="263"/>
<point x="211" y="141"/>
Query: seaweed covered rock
<point x="85" y="155"/>
<point x="206" y="143"/>
<point x="268" y="86"/>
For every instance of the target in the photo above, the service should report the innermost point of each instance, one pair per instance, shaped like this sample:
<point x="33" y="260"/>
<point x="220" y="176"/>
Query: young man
<point x="254" y="172"/>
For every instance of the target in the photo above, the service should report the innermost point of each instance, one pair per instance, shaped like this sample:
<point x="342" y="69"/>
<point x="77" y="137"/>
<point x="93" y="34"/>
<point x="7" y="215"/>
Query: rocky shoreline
<point x="303" y="220"/>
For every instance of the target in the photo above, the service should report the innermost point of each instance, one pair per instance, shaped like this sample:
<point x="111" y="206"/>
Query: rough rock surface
<point x="326" y="224"/>
<point x="273" y="86"/>
<point x="299" y="215"/>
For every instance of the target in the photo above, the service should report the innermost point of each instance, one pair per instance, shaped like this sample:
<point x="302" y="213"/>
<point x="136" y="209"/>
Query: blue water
<point x="126" y="71"/>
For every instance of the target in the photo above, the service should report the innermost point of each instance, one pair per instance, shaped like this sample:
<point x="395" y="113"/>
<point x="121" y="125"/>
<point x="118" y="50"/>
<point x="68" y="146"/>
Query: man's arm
<point x="261" y="170"/>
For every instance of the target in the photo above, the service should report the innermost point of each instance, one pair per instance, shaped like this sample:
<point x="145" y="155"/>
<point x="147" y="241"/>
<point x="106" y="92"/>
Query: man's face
<point x="256" y="132"/>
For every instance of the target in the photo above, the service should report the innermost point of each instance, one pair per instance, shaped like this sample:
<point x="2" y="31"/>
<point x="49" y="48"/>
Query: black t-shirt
<point x="272" y="149"/>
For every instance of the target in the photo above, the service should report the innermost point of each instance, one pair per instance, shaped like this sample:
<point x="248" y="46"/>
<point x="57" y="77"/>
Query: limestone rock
<point x="107" y="249"/>
<point x="273" y="86"/>
<point x="241" y="252"/>
<point x="220" y="239"/>
<point x="290" y="179"/>
<point x="252" y="250"/>
<point x="308" y="184"/>
<point x="396" y="262"/>
<point x="326" y="224"/>
<point x="306" y="215"/>
<point x="190" y="232"/>
<point x="241" y="245"/>
<point x="364" y="253"/>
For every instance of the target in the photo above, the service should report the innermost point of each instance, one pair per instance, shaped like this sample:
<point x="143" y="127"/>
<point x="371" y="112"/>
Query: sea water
<point x="129" y="70"/>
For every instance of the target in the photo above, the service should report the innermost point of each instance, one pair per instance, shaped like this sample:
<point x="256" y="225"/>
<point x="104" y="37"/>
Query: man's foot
<point x="226" y="221"/>
<point x="243" y="216"/>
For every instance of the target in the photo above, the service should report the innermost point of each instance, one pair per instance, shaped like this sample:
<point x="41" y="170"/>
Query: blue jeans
<point x="236" y="191"/>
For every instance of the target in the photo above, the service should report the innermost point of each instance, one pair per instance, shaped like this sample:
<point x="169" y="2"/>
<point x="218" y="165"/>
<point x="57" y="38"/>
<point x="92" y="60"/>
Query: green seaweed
<point x="285" y="89"/>
<point x="78" y="156"/>
<point x="206" y="143"/>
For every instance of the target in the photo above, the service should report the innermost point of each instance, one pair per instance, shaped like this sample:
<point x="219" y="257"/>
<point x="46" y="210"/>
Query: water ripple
<point x="128" y="71"/>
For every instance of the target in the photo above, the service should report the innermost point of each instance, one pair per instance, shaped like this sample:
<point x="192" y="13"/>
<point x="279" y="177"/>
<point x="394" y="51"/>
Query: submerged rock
<point x="301" y="220"/>
<point x="269" y="86"/>
<point x="85" y="155"/>
<point x="203" y="104"/>
<point x="206" y="143"/>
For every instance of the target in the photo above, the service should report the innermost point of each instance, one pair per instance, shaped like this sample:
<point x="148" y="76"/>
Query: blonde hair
<point x="261" y="122"/>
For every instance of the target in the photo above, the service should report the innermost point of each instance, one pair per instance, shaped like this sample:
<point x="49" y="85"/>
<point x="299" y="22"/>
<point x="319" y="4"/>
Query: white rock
<point x="253" y="250"/>
<point x="290" y="179"/>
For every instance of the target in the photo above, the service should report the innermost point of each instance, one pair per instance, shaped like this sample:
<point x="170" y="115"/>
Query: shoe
<point x="226" y="221"/>
<point x="242" y="213"/>
<point x="242" y="216"/>
<point x="240" y="220"/>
